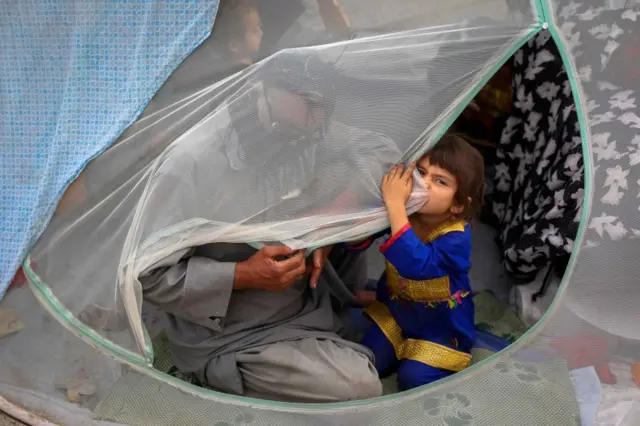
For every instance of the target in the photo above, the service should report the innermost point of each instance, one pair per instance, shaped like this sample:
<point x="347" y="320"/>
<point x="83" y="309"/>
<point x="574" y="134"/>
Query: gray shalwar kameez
<point x="272" y="345"/>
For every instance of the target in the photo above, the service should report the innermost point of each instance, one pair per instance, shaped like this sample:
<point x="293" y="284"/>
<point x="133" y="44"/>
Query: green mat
<point x="137" y="399"/>
<point x="162" y="360"/>
<point x="497" y="318"/>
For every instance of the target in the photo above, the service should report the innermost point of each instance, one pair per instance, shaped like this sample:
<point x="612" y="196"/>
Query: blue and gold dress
<point x="424" y="314"/>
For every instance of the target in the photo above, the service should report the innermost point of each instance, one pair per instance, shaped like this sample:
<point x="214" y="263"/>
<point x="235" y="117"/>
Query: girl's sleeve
<point x="417" y="260"/>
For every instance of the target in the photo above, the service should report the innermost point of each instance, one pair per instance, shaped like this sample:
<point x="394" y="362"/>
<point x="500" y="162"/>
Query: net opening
<point x="529" y="267"/>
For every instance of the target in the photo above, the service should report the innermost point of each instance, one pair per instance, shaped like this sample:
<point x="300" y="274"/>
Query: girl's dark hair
<point x="456" y="156"/>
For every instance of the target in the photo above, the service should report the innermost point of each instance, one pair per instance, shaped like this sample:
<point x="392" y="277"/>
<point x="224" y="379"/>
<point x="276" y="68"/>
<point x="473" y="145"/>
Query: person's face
<point x="442" y="187"/>
<point x="253" y="32"/>
<point x="292" y="111"/>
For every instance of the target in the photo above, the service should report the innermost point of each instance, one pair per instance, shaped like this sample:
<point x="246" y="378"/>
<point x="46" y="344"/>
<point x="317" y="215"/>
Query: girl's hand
<point x="397" y="184"/>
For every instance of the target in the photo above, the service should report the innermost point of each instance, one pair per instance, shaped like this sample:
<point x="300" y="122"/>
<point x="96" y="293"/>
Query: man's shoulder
<point x="204" y="144"/>
<point x="361" y="140"/>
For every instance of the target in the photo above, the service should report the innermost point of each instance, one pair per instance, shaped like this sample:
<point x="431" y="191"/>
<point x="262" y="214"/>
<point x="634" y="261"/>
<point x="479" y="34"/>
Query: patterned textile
<point x="73" y="76"/>
<point x="539" y="173"/>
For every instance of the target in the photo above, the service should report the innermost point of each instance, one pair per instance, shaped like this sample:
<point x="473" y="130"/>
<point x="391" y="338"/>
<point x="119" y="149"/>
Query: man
<point x="256" y="322"/>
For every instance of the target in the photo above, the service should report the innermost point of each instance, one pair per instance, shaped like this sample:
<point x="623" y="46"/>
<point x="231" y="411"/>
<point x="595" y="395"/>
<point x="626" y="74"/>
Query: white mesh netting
<point x="292" y="149"/>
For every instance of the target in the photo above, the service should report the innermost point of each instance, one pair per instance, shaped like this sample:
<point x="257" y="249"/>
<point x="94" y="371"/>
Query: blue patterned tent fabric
<point x="73" y="76"/>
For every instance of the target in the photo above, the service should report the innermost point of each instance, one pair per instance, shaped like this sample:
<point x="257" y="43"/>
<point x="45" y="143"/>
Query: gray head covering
<point x="304" y="74"/>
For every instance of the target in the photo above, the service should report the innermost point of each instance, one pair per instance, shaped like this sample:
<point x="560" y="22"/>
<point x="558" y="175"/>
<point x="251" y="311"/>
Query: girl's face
<point x="442" y="187"/>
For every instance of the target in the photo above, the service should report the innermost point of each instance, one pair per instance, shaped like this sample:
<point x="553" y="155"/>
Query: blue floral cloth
<point x="73" y="76"/>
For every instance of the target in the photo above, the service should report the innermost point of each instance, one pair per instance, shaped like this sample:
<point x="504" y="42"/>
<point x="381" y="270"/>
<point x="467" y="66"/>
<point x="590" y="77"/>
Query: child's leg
<point x="385" y="355"/>
<point x="412" y="374"/>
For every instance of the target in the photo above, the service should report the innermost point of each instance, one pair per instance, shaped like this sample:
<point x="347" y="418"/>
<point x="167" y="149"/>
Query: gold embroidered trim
<point x="435" y="355"/>
<point x="423" y="291"/>
<point x="429" y="353"/>
<point x="444" y="229"/>
<point x="381" y="315"/>
<point x="453" y="302"/>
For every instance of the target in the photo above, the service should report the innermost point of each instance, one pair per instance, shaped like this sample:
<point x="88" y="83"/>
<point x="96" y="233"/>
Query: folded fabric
<point x="588" y="393"/>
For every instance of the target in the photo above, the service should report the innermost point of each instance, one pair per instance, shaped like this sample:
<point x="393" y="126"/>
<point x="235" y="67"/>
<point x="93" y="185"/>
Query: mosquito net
<point x="291" y="149"/>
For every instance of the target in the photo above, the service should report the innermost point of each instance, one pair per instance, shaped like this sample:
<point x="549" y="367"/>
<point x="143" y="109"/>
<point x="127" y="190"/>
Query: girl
<point x="424" y="316"/>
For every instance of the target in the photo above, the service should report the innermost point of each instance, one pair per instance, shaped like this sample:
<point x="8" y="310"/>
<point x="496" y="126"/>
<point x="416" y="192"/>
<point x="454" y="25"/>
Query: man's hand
<point x="334" y="18"/>
<point x="319" y="258"/>
<point x="266" y="270"/>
